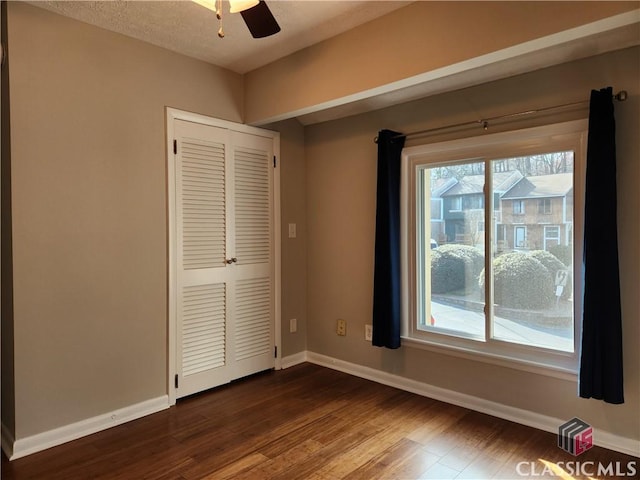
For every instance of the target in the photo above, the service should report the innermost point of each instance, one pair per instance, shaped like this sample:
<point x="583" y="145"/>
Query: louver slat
<point x="203" y="204"/>
<point x="203" y="328"/>
<point x="252" y="201"/>
<point x="253" y="318"/>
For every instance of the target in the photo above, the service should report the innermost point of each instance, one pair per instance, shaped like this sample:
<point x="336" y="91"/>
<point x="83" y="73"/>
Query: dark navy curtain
<point x="601" y="354"/>
<point x="386" y="277"/>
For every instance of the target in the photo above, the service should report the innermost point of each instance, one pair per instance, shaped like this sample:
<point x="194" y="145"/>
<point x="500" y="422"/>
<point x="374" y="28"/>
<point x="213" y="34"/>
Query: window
<point x="436" y="209"/>
<point x="518" y="207"/>
<point x="456" y="204"/>
<point x="551" y="237"/>
<point x="544" y="205"/>
<point x="476" y="202"/>
<point x="490" y="291"/>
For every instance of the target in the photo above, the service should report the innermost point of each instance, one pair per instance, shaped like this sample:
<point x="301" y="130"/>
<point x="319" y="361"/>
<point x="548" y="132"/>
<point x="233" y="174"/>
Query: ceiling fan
<point x="255" y="13"/>
<point x="259" y="19"/>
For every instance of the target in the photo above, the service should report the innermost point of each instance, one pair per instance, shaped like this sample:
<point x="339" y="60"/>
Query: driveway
<point x="458" y="319"/>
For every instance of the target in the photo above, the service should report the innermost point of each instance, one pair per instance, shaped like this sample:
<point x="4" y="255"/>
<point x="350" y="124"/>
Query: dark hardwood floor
<point x="309" y="422"/>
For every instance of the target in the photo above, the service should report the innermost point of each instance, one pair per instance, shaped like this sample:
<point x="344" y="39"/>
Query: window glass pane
<point x="533" y="250"/>
<point x="450" y="249"/>
<point x="518" y="207"/>
<point x="544" y="205"/>
<point x="436" y="209"/>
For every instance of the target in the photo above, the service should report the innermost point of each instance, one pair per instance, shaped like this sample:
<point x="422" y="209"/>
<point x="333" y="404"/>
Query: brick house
<point x="537" y="213"/>
<point x="463" y="206"/>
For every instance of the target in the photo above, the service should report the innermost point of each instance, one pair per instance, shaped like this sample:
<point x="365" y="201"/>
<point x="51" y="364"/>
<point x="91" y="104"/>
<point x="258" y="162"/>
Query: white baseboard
<point x="14" y="449"/>
<point x="295" y="359"/>
<point x="26" y="446"/>
<point x="525" y="417"/>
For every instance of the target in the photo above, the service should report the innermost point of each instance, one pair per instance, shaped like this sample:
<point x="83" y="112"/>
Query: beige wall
<point x="294" y="250"/>
<point x="341" y="172"/>
<point x="412" y="40"/>
<point x="89" y="204"/>
<point x="89" y="211"/>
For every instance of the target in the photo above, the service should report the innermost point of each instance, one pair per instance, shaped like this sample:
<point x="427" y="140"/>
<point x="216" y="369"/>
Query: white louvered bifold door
<point x="203" y="283"/>
<point x="225" y="312"/>
<point x="253" y="235"/>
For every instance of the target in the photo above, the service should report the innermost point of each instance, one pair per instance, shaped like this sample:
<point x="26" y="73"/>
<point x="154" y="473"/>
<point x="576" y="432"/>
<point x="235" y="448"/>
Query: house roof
<point x="441" y="185"/>
<point x="540" y="186"/>
<point x="503" y="181"/>
<point x="466" y="186"/>
<point x="472" y="184"/>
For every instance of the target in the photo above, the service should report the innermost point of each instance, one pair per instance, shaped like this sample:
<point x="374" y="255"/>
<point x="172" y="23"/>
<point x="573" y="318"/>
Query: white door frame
<point x="173" y="114"/>
<point x="515" y="236"/>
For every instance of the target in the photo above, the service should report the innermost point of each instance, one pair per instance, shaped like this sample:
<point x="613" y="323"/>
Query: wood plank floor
<point x="308" y="422"/>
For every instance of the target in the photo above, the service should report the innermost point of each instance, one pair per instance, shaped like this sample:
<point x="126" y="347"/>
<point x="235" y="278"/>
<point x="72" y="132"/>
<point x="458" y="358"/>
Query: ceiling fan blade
<point x="260" y="21"/>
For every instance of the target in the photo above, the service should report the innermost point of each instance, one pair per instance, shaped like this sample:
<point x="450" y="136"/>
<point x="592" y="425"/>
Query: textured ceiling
<point x="190" y="29"/>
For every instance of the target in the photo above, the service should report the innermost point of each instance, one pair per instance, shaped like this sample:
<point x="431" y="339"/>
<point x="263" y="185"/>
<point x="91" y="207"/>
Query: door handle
<point x="229" y="261"/>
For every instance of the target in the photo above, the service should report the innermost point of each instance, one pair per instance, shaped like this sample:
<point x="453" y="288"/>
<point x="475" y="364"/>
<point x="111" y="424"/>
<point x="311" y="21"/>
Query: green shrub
<point x="455" y="268"/>
<point x="548" y="260"/>
<point x="520" y="281"/>
<point x="553" y="265"/>
<point x="564" y="253"/>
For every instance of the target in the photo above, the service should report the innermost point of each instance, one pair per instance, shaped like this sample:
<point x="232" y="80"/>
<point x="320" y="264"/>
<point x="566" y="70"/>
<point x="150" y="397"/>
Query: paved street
<point x="456" y="318"/>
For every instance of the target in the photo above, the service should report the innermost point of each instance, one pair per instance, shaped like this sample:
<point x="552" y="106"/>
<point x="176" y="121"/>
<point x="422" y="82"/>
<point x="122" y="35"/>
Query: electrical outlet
<point x="368" y="332"/>
<point x="341" y="328"/>
<point x="293" y="325"/>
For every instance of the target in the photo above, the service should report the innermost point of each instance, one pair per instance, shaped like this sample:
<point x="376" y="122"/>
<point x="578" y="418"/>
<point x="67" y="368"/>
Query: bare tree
<point x="473" y="220"/>
<point x="532" y="165"/>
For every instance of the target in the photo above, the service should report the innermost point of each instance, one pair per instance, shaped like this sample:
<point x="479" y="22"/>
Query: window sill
<point x="537" y="367"/>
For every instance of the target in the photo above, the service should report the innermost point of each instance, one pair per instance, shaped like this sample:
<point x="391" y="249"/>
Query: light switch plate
<point x="368" y="332"/>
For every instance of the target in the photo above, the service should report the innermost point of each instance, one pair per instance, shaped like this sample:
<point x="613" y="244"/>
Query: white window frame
<point x="544" y="202"/>
<point x="521" y="209"/>
<point x="479" y="205"/>
<point x="546" y="237"/>
<point x="440" y="210"/>
<point x="557" y="137"/>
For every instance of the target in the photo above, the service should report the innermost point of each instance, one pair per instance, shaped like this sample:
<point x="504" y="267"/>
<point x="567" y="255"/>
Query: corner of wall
<point x="6" y="327"/>
<point x="294" y="248"/>
<point x="6" y="440"/>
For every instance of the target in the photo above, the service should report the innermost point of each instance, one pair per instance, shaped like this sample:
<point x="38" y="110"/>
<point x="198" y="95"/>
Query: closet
<point x="222" y="239"/>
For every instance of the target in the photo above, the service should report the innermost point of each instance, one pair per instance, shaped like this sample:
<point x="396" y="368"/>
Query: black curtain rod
<point x="621" y="96"/>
